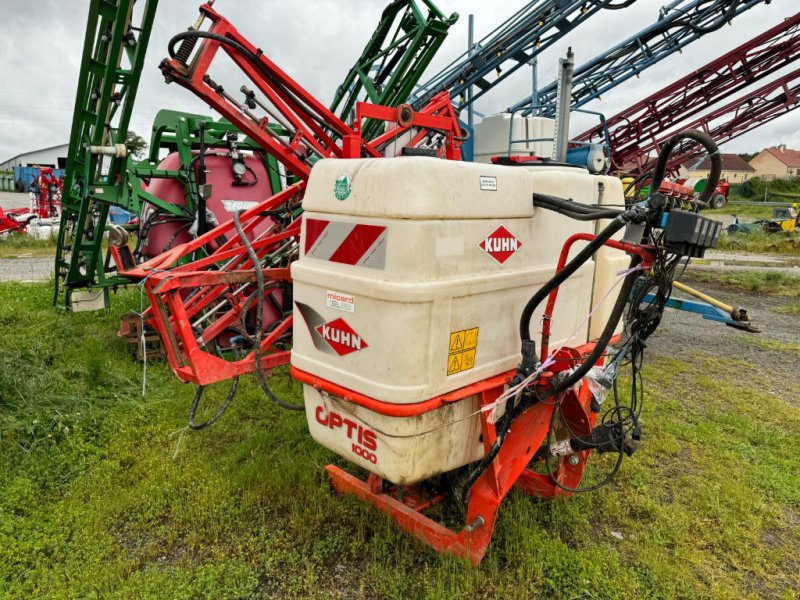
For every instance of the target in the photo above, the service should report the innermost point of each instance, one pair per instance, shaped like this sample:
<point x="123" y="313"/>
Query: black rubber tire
<point x="717" y="201"/>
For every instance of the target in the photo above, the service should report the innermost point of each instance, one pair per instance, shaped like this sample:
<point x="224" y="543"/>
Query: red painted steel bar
<point x="637" y="131"/>
<point x="509" y="468"/>
<point x="562" y="260"/>
<point x="740" y="116"/>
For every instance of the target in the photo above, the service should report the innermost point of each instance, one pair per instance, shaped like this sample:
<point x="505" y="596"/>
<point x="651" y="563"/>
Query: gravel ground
<point x="26" y="269"/>
<point x="13" y="200"/>
<point x="683" y="334"/>
<point x="22" y="269"/>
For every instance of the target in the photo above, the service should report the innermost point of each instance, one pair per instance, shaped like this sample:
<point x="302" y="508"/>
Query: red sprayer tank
<point x="163" y="232"/>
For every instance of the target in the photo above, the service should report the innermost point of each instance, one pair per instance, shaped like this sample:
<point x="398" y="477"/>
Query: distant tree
<point x="747" y="156"/>
<point x="136" y="144"/>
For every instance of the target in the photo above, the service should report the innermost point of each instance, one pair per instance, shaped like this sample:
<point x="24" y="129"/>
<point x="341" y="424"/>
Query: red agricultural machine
<point x="201" y="289"/>
<point x="390" y="274"/>
<point x="45" y="204"/>
<point x="403" y="287"/>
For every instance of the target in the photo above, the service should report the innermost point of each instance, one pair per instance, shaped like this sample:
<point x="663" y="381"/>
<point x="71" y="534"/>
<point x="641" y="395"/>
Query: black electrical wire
<point x="260" y="376"/>
<point x="253" y="182"/>
<point x="605" y="481"/>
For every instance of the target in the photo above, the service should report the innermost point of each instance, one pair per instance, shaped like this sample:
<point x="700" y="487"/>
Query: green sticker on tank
<point x="341" y="188"/>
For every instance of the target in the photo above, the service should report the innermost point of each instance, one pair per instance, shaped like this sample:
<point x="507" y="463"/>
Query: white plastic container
<point x="412" y="277"/>
<point x="492" y="136"/>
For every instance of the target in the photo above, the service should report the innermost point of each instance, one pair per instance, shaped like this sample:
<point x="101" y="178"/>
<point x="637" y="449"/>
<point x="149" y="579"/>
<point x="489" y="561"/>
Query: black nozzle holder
<point x="528" y="364"/>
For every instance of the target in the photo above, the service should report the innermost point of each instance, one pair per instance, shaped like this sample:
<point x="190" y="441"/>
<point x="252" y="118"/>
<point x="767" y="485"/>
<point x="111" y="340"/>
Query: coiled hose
<point x="713" y="153"/>
<point x="259" y="368"/>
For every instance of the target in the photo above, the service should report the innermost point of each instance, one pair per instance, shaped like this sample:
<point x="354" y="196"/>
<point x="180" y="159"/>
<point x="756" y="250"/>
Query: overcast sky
<point x="316" y="42"/>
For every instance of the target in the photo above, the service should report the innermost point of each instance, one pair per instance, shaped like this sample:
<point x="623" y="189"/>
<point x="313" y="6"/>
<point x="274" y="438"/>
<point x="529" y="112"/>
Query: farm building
<point x="54" y="156"/>
<point x="734" y="168"/>
<point x="778" y="162"/>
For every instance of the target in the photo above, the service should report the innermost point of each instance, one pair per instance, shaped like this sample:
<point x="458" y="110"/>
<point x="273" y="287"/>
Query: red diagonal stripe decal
<point x="356" y="244"/>
<point x="314" y="227"/>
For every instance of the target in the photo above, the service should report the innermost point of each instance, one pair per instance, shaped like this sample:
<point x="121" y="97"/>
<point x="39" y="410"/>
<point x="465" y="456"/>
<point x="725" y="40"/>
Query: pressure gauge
<point x="239" y="168"/>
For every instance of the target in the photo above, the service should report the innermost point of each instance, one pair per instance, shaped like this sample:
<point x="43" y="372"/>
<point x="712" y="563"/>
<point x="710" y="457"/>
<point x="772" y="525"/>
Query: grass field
<point x="105" y="494"/>
<point x="752" y="210"/>
<point x="766" y="282"/>
<point x="17" y="245"/>
<point x="760" y="243"/>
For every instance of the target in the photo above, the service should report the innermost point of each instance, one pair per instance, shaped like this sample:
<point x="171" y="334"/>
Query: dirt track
<point x="26" y="269"/>
<point x="683" y="334"/>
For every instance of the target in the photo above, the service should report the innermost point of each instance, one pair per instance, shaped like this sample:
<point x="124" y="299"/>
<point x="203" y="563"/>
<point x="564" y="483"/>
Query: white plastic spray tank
<point x="412" y="277"/>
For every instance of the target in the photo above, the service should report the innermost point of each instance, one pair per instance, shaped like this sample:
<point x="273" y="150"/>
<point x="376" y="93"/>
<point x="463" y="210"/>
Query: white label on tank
<point x="450" y="246"/>
<point x="233" y="206"/>
<point x="488" y="184"/>
<point x="339" y="301"/>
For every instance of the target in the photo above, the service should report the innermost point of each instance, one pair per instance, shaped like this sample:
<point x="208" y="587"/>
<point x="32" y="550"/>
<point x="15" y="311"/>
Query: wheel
<point x="717" y="201"/>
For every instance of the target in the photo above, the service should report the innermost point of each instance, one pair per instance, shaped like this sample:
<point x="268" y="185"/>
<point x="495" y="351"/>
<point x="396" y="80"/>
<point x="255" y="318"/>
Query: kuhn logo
<point x="341" y="337"/>
<point x="500" y="244"/>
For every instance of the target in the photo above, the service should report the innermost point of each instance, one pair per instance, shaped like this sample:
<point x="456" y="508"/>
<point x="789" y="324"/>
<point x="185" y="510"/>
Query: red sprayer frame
<point x="181" y="293"/>
<point x="182" y="287"/>
<point x="509" y="467"/>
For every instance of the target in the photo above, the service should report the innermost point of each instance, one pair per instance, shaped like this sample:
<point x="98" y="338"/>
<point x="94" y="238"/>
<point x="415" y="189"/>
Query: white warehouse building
<point x="54" y="156"/>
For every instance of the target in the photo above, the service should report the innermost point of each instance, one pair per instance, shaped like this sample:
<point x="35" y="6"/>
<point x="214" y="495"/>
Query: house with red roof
<point x="778" y="162"/>
<point x="734" y="168"/>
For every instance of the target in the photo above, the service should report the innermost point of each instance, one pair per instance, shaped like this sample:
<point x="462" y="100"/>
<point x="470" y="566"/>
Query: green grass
<point x="793" y="308"/>
<point x="17" y="245"/>
<point x="760" y="242"/>
<point x="770" y="344"/>
<point x="105" y="495"/>
<point x="766" y="282"/>
<point x="754" y="211"/>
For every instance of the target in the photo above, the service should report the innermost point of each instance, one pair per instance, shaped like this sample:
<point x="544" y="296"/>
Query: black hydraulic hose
<point x="724" y="18"/>
<point x="570" y="268"/>
<point x="582" y="216"/>
<point x="260" y="376"/>
<point x="574" y="210"/>
<point x="562" y="202"/>
<point x="637" y="180"/>
<point x="609" y="5"/>
<point x="201" y="181"/>
<point x="220" y="411"/>
<point x="713" y="152"/>
<point x="605" y="337"/>
<point x="576" y="375"/>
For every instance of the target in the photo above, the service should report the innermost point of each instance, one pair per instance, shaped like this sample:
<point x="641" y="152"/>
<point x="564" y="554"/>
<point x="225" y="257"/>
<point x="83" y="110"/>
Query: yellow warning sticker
<point x="463" y="345"/>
